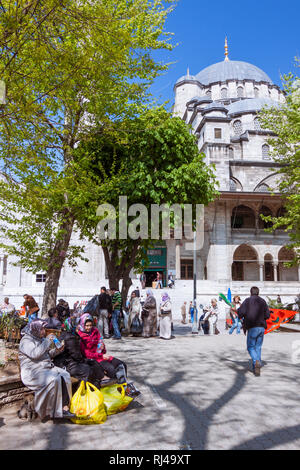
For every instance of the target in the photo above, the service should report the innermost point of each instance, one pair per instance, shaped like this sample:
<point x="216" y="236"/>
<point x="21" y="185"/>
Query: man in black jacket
<point x="105" y="309"/>
<point x="254" y="311"/>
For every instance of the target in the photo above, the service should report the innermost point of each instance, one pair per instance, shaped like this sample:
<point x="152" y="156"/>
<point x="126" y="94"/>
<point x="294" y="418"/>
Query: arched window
<point x="265" y="152"/>
<point x="223" y="92"/>
<point x="235" y="185"/>
<point x="237" y="127"/>
<point x="242" y="217"/>
<point x="208" y="93"/>
<point x="257" y="125"/>
<point x="231" y="153"/>
<point x="262" y="188"/>
<point x="264" y="210"/>
<point x="256" y="92"/>
<point x="240" y="92"/>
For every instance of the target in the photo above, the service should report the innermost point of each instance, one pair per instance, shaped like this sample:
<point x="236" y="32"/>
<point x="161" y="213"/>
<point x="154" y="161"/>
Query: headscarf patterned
<point x="70" y="324"/>
<point x="83" y="319"/>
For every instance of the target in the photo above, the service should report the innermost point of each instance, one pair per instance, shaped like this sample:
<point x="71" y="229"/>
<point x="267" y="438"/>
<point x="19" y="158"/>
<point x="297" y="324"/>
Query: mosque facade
<point x="221" y="103"/>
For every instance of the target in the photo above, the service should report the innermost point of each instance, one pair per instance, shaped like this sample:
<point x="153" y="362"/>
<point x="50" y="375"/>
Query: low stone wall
<point x="12" y="389"/>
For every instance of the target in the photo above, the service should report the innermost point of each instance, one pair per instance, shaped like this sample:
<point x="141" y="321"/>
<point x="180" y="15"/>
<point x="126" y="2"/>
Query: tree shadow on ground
<point x="198" y="421"/>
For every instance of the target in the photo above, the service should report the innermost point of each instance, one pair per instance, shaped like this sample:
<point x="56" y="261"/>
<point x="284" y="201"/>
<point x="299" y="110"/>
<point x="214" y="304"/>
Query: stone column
<point x="261" y="272"/>
<point x="178" y="270"/>
<point x="275" y="266"/>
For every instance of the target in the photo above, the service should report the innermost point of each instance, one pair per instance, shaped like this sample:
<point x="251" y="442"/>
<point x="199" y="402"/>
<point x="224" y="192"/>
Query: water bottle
<point x="57" y="343"/>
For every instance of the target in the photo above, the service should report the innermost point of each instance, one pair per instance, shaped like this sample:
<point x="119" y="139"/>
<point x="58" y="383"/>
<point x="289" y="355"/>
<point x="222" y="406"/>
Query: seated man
<point x="6" y="307"/>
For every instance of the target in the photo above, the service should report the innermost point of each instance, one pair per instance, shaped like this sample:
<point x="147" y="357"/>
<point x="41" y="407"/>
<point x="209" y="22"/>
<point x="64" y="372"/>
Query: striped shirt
<point x="117" y="300"/>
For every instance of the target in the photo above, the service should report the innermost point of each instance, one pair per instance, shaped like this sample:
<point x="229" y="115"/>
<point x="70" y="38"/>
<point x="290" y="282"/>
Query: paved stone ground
<point x="197" y="394"/>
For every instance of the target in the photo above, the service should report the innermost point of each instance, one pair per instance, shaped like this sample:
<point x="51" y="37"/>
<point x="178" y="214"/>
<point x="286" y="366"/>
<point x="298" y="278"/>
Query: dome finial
<point x="226" y="49"/>
<point x="188" y="72"/>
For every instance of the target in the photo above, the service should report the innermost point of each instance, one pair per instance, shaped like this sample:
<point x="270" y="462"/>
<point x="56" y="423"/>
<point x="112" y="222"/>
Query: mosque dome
<point x="250" y="105"/>
<point x="231" y="70"/>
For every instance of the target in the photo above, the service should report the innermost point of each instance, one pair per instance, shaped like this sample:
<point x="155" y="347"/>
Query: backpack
<point x="92" y="306"/>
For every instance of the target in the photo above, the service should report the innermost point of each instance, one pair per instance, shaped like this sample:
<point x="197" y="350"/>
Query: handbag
<point x="145" y="313"/>
<point x="136" y="325"/>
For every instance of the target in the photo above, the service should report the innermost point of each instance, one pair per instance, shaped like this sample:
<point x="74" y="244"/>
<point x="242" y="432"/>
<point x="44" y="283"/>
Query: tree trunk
<point x="120" y="271"/>
<point x="56" y="264"/>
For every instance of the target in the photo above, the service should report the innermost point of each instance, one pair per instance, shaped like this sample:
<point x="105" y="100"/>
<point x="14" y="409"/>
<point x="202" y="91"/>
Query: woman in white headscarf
<point x="51" y="384"/>
<point x="134" y="309"/>
<point x="149" y="315"/>
<point x="165" y="317"/>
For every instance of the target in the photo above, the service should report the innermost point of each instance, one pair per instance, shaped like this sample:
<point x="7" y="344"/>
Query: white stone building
<point x="221" y="104"/>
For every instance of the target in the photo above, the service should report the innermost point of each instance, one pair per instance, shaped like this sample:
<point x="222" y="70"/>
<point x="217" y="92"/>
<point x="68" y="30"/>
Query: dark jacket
<point x="71" y="354"/>
<point x="105" y="302"/>
<point x="53" y="323"/>
<point x="255" y="311"/>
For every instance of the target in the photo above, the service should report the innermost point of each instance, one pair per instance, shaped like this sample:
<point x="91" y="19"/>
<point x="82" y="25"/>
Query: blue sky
<point x="265" y="33"/>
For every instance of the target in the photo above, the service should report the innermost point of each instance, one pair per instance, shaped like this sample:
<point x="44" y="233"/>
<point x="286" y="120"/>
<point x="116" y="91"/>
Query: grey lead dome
<point x="229" y="70"/>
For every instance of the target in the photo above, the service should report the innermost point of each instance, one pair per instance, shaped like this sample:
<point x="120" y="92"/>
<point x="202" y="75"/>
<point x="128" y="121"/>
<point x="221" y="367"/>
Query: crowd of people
<point x="48" y="361"/>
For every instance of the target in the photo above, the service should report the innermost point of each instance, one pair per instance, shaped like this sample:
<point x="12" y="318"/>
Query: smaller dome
<point x="251" y="104"/>
<point x="185" y="78"/>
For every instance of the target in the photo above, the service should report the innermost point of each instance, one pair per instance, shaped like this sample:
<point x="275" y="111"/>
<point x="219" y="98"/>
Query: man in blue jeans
<point x="254" y="311"/>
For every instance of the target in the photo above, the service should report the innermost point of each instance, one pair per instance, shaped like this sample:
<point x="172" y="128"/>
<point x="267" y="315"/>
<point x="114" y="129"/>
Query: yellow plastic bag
<point x="115" y="399"/>
<point x="88" y="405"/>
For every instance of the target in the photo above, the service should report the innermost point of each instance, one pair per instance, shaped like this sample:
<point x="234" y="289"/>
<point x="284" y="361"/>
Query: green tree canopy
<point x="68" y="67"/>
<point x="152" y="159"/>
<point x="284" y="121"/>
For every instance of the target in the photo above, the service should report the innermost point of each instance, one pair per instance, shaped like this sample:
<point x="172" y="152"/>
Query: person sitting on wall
<point x="93" y="347"/>
<point x="6" y="307"/>
<point x="51" y="385"/>
<point x="72" y="358"/>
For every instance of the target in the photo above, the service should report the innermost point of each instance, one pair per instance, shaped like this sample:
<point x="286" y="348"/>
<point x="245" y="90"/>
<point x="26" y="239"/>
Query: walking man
<point x="254" y="311"/>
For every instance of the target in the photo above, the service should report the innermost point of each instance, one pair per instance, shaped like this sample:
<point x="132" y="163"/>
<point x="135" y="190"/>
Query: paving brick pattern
<point x="197" y="393"/>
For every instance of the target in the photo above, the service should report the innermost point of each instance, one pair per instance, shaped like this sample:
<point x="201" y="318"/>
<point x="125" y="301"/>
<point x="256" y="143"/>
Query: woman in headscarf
<point x="149" y="315"/>
<point x="72" y="358"/>
<point x="52" y="385"/>
<point x="134" y="309"/>
<point x="165" y="317"/>
<point x="93" y="347"/>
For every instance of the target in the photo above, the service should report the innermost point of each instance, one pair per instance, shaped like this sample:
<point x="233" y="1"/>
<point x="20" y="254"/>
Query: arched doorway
<point x="268" y="268"/>
<point x="245" y="264"/>
<point x="285" y="273"/>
